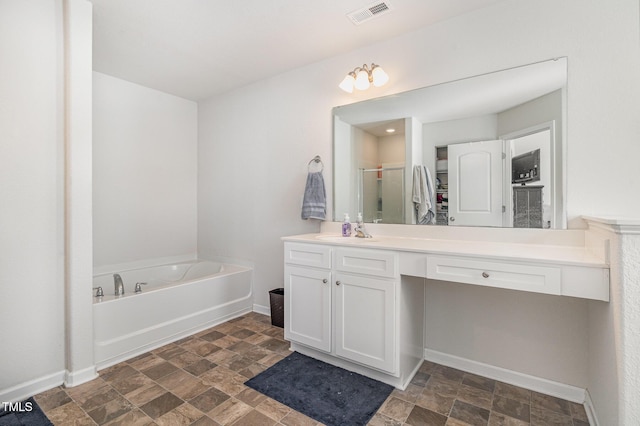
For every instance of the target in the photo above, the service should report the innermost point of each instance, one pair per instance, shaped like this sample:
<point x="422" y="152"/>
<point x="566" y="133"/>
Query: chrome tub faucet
<point x="117" y="282"/>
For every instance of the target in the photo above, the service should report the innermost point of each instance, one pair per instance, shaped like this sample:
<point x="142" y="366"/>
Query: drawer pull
<point x="485" y="275"/>
<point x="338" y="283"/>
<point x="324" y="281"/>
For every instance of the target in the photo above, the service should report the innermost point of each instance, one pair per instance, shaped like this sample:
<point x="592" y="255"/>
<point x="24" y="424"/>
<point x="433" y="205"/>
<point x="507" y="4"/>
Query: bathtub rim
<point x="166" y="260"/>
<point x="227" y="269"/>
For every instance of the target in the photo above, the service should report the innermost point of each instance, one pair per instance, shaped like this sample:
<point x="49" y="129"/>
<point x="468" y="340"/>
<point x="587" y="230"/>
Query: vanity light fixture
<point x="362" y="77"/>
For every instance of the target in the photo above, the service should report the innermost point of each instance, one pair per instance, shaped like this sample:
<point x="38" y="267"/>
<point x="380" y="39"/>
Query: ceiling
<point x="199" y="48"/>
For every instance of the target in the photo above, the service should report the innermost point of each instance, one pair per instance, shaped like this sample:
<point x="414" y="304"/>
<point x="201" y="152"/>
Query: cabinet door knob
<point x="338" y="282"/>
<point x="485" y="275"/>
<point x="324" y="281"/>
<point x="452" y="219"/>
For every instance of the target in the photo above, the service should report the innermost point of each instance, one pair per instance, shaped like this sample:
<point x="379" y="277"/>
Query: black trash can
<point x="276" y="299"/>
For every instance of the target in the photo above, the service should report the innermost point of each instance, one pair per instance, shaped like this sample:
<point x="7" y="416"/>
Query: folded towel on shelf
<point x="423" y="195"/>
<point x="314" y="203"/>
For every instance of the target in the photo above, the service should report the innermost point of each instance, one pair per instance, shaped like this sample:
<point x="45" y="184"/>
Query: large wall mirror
<point x="480" y="151"/>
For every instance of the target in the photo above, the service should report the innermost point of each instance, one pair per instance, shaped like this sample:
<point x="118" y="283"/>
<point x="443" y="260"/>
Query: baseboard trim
<point x="75" y="378"/>
<point x="590" y="409"/>
<point x="537" y="384"/>
<point x="25" y="390"/>
<point x="265" y="310"/>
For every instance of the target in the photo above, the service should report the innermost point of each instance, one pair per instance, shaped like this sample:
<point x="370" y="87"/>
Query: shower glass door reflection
<point x="381" y="195"/>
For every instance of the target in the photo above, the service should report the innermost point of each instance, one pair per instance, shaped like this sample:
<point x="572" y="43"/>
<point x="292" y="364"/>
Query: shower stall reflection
<point x="381" y="194"/>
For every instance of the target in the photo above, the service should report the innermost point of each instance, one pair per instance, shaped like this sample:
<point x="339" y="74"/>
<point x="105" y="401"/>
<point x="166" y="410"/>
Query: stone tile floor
<point x="199" y="381"/>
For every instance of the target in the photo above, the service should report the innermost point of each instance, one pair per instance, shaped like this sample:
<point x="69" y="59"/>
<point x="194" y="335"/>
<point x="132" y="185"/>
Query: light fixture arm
<point x="373" y="74"/>
<point x="366" y="69"/>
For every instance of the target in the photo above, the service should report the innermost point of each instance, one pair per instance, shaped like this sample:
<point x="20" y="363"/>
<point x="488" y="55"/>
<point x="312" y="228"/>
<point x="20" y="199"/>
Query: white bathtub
<point x="178" y="300"/>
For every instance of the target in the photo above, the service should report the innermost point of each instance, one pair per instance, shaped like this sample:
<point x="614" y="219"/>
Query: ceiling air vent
<point x="367" y="13"/>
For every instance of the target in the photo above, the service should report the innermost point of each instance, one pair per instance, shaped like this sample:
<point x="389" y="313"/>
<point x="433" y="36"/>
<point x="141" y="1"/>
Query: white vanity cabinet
<point x="366" y="307"/>
<point x="342" y="305"/>
<point x="307" y="295"/>
<point x="365" y="321"/>
<point x="360" y="303"/>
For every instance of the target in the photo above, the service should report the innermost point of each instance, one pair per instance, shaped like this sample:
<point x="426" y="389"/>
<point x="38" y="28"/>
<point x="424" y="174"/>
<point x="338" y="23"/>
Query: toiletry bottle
<point x="346" y="226"/>
<point x="360" y="222"/>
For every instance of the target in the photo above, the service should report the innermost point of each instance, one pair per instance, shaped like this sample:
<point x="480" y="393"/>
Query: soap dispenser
<point x="346" y="226"/>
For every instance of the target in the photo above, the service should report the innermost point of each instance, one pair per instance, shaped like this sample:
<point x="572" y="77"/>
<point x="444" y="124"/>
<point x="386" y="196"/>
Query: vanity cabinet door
<point x="365" y="316"/>
<point x="307" y="298"/>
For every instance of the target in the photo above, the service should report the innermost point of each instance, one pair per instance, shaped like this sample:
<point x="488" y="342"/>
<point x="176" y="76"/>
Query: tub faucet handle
<point x="138" y="288"/>
<point x="99" y="292"/>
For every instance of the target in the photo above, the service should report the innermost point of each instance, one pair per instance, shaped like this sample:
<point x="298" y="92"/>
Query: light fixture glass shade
<point x="379" y="77"/>
<point x="347" y="83"/>
<point x="362" y="80"/>
<point x="362" y="77"/>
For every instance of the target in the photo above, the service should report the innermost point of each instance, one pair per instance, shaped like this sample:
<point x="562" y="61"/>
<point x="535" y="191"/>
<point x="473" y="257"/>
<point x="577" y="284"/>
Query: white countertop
<point x="551" y="253"/>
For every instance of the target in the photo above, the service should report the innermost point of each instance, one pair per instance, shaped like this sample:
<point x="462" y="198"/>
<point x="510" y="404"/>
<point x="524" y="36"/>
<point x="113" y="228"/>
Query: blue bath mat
<point x="28" y="413"/>
<point x="328" y="394"/>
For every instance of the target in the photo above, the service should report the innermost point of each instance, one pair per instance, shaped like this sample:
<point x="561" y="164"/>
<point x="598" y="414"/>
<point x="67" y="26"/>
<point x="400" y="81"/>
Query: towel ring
<point x="315" y="161"/>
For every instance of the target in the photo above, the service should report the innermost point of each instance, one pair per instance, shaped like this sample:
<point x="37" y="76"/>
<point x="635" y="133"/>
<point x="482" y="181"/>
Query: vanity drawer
<point x="369" y="262"/>
<point x="308" y="255"/>
<point x="510" y="275"/>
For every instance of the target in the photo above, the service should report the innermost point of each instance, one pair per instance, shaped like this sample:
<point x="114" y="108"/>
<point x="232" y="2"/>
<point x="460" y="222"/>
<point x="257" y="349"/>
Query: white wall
<point x="346" y="200"/>
<point x="471" y="129"/>
<point x="78" y="27"/>
<point x="391" y="149"/>
<point x="393" y="193"/>
<point x="253" y="148"/>
<point x="539" y="335"/>
<point x="144" y="173"/>
<point x="366" y="147"/>
<point x="367" y="157"/>
<point x="262" y="136"/>
<point x="31" y="190"/>
<point x="537" y="111"/>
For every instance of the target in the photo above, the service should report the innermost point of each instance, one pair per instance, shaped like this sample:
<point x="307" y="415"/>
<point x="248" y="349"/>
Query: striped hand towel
<point x="314" y="203"/>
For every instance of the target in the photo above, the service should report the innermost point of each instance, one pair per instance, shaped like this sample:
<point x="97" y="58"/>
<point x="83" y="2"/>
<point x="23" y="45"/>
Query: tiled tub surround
<point x="199" y="380"/>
